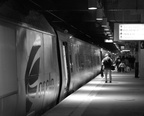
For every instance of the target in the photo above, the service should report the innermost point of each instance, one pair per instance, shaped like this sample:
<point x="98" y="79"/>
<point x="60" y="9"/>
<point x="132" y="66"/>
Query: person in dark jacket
<point x="117" y="62"/>
<point x="107" y="64"/>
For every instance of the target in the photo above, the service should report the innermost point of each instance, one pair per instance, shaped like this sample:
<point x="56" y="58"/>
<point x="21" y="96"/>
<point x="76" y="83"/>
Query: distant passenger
<point x="122" y="67"/>
<point x="117" y="62"/>
<point x="107" y="64"/>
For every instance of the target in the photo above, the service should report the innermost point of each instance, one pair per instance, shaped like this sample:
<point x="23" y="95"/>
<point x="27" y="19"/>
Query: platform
<point x="123" y="97"/>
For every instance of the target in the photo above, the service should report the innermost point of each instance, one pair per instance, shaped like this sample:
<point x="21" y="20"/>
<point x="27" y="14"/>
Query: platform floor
<point x="123" y="97"/>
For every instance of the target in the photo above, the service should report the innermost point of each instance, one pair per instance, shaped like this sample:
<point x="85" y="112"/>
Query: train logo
<point x="32" y="74"/>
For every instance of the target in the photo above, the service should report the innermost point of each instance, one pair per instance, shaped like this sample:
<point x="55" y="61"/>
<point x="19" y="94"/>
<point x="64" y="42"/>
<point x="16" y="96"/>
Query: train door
<point x="66" y="66"/>
<point x="65" y="69"/>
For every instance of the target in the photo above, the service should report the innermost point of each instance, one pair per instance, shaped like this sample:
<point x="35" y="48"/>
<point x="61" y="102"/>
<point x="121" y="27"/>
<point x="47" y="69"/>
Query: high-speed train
<point x="40" y="66"/>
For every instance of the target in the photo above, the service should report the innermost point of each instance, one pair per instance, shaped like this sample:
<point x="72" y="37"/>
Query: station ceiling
<point x="74" y="17"/>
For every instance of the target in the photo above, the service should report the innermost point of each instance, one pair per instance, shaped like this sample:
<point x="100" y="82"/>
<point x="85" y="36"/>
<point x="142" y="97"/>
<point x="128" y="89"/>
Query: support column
<point x="141" y="53"/>
<point x="137" y="60"/>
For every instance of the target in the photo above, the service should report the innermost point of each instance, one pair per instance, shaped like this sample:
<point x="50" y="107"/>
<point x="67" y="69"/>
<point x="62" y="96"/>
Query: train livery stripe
<point x="35" y="69"/>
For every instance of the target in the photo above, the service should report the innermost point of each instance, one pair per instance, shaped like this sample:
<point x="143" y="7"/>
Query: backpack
<point x="107" y="62"/>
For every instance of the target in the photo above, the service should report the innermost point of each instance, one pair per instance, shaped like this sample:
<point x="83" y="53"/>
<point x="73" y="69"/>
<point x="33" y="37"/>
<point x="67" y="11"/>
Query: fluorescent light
<point x="108" y="41"/>
<point x="99" y="19"/>
<point x="99" y="14"/>
<point x="111" y="37"/>
<point x="92" y="4"/>
<point x="106" y="29"/>
<point x="104" y="25"/>
<point x="92" y="8"/>
<point x="108" y="32"/>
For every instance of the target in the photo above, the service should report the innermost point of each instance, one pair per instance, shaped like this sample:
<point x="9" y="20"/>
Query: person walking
<point x="107" y="64"/>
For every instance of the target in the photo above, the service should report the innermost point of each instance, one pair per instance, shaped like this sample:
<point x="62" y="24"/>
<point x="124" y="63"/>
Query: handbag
<point x="112" y="67"/>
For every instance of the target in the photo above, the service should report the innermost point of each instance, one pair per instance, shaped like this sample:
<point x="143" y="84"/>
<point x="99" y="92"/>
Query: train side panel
<point x="80" y="62"/>
<point x="38" y="71"/>
<point x="85" y="62"/>
<point x="51" y="71"/>
<point x="30" y="69"/>
<point x="29" y="74"/>
<point x="8" y="70"/>
<point x="22" y="58"/>
<point x="32" y="77"/>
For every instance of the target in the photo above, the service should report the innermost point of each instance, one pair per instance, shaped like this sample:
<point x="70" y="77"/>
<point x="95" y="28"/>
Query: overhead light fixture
<point x="111" y="37"/>
<point x="108" y="32"/>
<point x="99" y="19"/>
<point x="99" y="14"/>
<point x="92" y="4"/>
<point x="106" y="29"/>
<point x="104" y="22"/>
<point x="108" y="41"/>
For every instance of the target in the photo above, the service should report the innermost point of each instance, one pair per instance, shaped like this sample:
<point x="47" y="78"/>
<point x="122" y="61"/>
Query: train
<point x="40" y="65"/>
